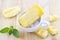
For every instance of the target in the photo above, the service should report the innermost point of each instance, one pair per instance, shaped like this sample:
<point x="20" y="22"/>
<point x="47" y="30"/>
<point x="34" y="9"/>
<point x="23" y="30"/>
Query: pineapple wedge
<point x="11" y="12"/>
<point x="53" y="18"/>
<point x="30" y="16"/>
<point x="42" y="33"/>
<point x="52" y="30"/>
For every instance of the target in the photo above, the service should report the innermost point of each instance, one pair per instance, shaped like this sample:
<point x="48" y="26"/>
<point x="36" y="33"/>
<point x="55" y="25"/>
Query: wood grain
<point x="4" y="4"/>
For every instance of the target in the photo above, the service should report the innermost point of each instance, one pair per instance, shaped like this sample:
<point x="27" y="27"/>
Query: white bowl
<point x="34" y="26"/>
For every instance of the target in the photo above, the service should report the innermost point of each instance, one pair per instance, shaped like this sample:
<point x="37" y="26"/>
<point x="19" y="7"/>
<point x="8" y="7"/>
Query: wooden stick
<point x="54" y="38"/>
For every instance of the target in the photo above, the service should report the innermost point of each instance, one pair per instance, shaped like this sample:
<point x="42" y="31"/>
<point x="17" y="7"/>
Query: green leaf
<point x="4" y="30"/>
<point x="15" y="33"/>
<point x="10" y="30"/>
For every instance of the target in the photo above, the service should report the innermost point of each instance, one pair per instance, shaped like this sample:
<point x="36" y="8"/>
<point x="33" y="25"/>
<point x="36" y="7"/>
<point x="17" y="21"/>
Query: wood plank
<point x="4" y="4"/>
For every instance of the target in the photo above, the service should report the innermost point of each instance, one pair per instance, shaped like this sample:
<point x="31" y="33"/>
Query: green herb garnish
<point x="10" y="31"/>
<point x="15" y="33"/>
<point x="4" y="30"/>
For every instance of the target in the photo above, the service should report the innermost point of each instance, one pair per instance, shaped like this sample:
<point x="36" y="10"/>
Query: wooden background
<point x="54" y="8"/>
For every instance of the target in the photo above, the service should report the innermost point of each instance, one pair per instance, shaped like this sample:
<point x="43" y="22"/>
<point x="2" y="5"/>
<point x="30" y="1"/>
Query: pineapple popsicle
<point x="41" y="33"/>
<point x="53" y="18"/>
<point x="52" y="30"/>
<point x="11" y="12"/>
<point x="30" y="16"/>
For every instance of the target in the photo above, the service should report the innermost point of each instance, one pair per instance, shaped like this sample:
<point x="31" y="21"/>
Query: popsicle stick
<point x="54" y="38"/>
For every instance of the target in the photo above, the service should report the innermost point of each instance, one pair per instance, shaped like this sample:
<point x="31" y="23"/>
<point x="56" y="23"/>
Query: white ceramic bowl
<point x="34" y="26"/>
<point x="30" y="29"/>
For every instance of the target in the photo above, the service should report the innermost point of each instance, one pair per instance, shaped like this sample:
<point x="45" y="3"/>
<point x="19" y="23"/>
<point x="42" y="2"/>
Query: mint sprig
<point x="10" y="31"/>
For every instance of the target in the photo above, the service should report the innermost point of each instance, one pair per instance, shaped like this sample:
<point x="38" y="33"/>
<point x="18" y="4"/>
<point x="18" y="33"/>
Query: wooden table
<point x="54" y="9"/>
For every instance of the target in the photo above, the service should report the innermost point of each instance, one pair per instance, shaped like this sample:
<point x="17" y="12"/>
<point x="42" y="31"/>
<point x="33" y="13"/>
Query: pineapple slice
<point x="52" y="30"/>
<point x="31" y="16"/>
<point x="53" y="18"/>
<point x="11" y="12"/>
<point x="42" y="33"/>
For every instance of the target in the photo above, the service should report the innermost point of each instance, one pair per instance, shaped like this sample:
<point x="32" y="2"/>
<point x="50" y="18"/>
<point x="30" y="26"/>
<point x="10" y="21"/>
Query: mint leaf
<point x="10" y="30"/>
<point x="15" y="33"/>
<point x="4" y="30"/>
